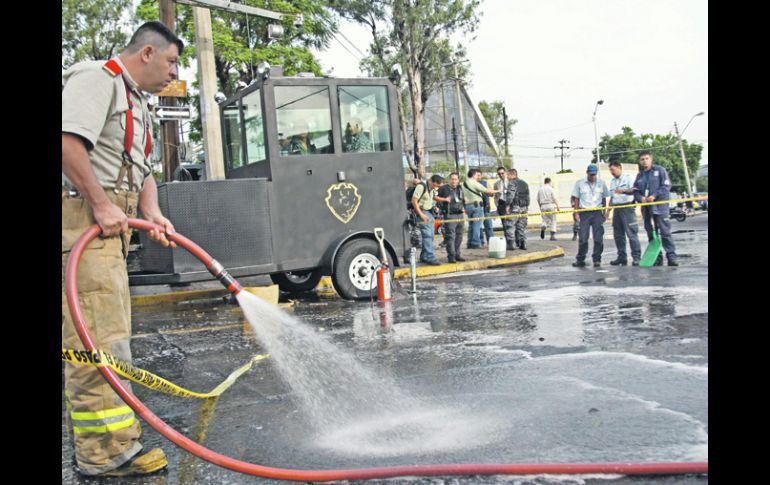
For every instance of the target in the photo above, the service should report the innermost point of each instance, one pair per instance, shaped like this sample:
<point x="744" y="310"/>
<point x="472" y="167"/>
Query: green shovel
<point x="652" y="251"/>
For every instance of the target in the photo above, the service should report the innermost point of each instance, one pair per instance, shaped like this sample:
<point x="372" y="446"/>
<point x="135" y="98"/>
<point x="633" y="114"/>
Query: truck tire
<point x="680" y="216"/>
<point x="297" y="281"/>
<point x="354" y="270"/>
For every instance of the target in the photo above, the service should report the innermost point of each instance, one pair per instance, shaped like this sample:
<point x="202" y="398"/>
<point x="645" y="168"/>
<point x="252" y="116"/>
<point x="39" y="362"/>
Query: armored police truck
<point x="313" y="165"/>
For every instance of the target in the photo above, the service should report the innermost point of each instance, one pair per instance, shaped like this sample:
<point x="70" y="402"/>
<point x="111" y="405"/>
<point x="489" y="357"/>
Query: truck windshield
<point x="303" y="118"/>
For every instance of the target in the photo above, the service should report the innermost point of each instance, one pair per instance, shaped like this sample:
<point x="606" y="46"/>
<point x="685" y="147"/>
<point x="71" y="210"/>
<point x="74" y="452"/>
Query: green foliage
<point x="702" y="184"/>
<point x="625" y="148"/>
<point x="415" y="34"/>
<point x="566" y="170"/>
<point x="493" y="115"/>
<point x="94" y="29"/>
<point x="240" y="40"/>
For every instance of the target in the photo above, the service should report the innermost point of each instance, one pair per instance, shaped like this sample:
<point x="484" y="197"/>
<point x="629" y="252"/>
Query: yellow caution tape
<point x="566" y="211"/>
<point x="100" y="358"/>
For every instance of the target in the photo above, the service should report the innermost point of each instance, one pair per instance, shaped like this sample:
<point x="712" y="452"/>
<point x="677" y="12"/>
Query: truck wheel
<point x="680" y="217"/>
<point x="297" y="281"/>
<point x="354" y="272"/>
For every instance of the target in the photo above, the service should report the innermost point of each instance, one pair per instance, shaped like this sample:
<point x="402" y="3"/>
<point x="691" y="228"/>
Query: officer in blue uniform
<point x="653" y="184"/>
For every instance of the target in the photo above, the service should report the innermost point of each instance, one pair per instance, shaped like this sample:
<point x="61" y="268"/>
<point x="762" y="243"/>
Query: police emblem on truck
<point x="343" y="200"/>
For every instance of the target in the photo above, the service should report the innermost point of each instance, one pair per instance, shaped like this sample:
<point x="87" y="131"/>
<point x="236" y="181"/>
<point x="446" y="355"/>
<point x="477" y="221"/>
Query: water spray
<point x="216" y="269"/>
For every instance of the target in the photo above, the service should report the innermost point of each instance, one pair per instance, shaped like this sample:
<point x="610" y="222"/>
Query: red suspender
<point x="114" y="68"/>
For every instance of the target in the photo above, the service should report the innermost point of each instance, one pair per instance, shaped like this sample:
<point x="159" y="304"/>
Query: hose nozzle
<point x="224" y="277"/>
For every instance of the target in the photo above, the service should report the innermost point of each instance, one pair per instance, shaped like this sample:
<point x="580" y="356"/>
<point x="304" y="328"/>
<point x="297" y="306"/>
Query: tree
<point x="413" y="33"/>
<point x="94" y="29"/>
<point x="625" y="148"/>
<point x="493" y="115"/>
<point x="240" y="40"/>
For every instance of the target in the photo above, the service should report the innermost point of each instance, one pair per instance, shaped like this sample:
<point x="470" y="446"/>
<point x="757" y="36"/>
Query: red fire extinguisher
<point x="383" y="274"/>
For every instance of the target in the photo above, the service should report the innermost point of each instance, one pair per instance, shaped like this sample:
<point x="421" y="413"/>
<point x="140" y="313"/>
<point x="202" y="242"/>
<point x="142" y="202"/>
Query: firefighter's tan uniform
<point x="105" y="430"/>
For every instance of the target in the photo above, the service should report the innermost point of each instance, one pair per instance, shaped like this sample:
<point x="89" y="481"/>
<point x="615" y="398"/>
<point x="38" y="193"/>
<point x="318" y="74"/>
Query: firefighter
<point x="106" y="177"/>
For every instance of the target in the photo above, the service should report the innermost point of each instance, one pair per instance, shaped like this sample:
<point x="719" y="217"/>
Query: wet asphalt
<point x="555" y="364"/>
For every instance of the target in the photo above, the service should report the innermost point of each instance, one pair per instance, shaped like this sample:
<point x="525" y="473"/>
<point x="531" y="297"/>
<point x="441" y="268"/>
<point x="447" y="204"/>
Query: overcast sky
<point x="549" y="61"/>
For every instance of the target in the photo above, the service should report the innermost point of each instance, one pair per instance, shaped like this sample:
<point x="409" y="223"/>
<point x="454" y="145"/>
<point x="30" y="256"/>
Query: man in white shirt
<point x="546" y="198"/>
<point x="624" y="219"/>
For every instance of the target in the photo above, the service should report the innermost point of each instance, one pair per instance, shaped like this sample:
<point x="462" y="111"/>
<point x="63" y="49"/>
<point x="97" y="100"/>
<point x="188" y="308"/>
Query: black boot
<point x="542" y="233"/>
<point x="523" y="245"/>
<point x="553" y="236"/>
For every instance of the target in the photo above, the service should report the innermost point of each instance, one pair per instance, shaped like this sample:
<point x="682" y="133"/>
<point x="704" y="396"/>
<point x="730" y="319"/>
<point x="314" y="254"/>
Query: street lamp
<point x="681" y="151"/>
<point x="596" y="136"/>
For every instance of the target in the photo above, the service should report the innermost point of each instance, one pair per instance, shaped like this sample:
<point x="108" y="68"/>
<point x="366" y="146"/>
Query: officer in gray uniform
<point x="516" y="202"/>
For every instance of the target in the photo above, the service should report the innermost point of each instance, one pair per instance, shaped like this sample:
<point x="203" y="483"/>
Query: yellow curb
<point x="269" y="293"/>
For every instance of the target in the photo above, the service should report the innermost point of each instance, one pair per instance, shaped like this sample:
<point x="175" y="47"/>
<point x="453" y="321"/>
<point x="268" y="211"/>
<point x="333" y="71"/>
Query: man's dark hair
<point x="155" y="34"/>
<point x="547" y="180"/>
<point x="473" y="172"/>
<point x="454" y="173"/>
<point x="436" y="178"/>
<point x="644" y="152"/>
<point x="616" y="163"/>
<point x="501" y="168"/>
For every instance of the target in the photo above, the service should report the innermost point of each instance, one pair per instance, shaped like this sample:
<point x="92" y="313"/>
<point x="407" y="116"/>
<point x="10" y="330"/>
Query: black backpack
<point x="410" y="192"/>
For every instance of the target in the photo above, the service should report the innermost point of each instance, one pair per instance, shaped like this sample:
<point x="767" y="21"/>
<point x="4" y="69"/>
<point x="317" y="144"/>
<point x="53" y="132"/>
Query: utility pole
<point x="209" y="110"/>
<point x="169" y="129"/>
<point x="562" y="148"/>
<point x="443" y="121"/>
<point x="505" y="130"/>
<point x="684" y="161"/>
<point x="454" y="139"/>
<point x="461" y="108"/>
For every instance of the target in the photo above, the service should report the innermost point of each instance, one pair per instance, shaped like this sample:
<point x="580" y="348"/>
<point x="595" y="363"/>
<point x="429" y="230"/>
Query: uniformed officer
<point x="653" y="184"/>
<point x="623" y="219"/>
<point x="589" y="193"/>
<point x="474" y="207"/>
<point x="517" y="202"/>
<point x="452" y="199"/>
<point x="422" y="203"/>
<point x="106" y="177"/>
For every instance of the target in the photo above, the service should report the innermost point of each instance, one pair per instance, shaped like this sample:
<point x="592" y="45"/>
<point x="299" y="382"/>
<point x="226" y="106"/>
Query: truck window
<point x="255" y="133"/>
<point x="232" y="135"/>
<point x="364" y="119"/>
<point x="303" y="118"/>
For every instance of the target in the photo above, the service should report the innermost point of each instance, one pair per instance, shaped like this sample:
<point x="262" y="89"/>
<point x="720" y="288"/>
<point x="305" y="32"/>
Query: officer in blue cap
<point x="590" y="193"/>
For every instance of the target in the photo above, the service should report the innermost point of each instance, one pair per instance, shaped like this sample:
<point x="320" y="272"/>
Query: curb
<point x="326" y="288"/>
<point x="269" y="293"/>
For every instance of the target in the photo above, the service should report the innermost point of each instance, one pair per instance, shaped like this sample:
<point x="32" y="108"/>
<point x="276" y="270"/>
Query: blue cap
<point x="592" y="169"/>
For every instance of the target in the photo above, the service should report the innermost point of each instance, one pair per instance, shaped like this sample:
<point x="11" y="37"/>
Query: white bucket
<point x="497" y="247"/>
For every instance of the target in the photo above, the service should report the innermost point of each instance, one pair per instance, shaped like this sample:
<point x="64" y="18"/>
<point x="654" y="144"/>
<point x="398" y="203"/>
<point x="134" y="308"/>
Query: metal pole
<point x="596" y="136"/>
<point x="684" y="161"/>
<point x="454" y="139"/>
<point x="413" y="268"/>
<point x="505" y="130"/>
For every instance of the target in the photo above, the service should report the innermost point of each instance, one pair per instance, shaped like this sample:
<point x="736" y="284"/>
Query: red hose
<point x="322" y="475"/>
